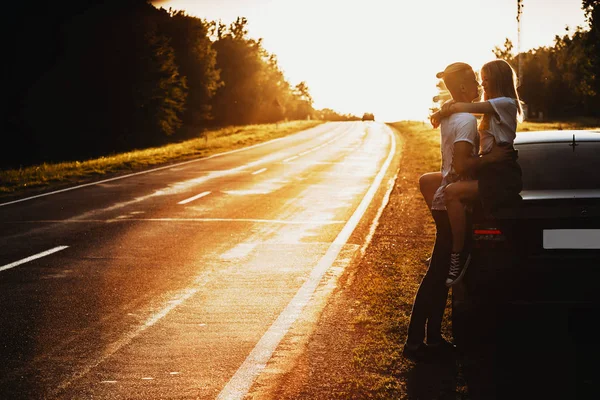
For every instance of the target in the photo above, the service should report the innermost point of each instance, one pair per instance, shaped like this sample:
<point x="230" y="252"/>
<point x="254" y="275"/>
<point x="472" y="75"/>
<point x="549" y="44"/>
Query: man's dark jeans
<point x="430" y="301"/>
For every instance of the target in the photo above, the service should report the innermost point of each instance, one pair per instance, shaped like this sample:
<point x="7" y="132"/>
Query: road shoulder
<point x="353" y="350"/>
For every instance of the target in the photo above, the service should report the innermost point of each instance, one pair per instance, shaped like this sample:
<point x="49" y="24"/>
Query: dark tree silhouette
<point x="196" y="60"/>
<point x="87" y="78"/>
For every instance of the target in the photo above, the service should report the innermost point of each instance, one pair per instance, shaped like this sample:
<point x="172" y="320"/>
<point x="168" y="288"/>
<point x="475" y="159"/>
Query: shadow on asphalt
<point x="540" y="355"/>
<point x="547" y="355"/>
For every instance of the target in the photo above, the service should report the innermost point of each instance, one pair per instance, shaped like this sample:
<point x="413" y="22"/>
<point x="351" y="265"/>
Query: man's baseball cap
<point x="453" y="68"/>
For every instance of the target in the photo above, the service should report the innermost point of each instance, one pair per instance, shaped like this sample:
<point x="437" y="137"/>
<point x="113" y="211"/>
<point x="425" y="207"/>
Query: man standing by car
<point x="459" y="139"/>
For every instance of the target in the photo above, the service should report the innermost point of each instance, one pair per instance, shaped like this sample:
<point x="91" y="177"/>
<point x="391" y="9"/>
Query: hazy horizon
<point x="358" y="56"/>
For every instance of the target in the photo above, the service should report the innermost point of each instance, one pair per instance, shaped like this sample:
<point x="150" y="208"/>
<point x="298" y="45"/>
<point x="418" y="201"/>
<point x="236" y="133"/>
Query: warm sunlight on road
<point x="381" y="56"/>
<point x="182" y="281"/>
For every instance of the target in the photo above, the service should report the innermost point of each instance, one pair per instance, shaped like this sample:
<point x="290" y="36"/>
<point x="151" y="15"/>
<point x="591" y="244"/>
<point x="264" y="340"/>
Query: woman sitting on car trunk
<point x="497" y="184"/>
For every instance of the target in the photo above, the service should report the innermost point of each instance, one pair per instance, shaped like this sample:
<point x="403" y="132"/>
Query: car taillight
<point x="487" y="234"/>
<point x="492" y="231"/>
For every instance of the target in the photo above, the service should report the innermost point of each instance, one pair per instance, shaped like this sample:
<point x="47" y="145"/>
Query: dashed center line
<point x="311" y="150"/>
<point x="31" y="258"/>
<point x="290" y="159"/>
<point x="260" y="171"/>
<point x="194" y="198"/>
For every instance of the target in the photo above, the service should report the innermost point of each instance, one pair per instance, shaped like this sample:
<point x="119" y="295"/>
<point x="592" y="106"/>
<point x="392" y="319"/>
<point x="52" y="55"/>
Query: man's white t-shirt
<point x="459" y="127"/>
<point x="502" y="126"/>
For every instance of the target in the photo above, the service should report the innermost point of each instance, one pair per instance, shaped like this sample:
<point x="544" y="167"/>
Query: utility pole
<point x="519" y="63"/>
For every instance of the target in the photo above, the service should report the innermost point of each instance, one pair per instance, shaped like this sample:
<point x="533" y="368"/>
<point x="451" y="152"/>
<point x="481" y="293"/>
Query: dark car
<point x="535" y="269"/>
<point x="368" y="117"/>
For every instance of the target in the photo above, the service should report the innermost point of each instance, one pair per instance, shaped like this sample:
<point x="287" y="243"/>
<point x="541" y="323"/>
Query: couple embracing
<point x="478" y="165"/>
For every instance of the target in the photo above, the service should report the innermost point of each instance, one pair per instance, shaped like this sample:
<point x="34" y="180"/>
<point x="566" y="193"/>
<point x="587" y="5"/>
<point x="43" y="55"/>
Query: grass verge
<point x="576" y="123"/>
<point x="46" y="176"/>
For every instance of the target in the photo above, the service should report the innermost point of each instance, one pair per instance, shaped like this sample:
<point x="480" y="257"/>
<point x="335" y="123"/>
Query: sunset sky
<point x="381" y="56"/>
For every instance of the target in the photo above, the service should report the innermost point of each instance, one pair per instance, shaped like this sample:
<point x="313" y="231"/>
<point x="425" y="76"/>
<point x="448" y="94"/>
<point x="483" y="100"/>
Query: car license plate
<point x="571" y="239"/>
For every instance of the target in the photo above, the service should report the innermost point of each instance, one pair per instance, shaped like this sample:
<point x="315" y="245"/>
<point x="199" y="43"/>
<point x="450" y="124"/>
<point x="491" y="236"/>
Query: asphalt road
<point x="180" y="282"/>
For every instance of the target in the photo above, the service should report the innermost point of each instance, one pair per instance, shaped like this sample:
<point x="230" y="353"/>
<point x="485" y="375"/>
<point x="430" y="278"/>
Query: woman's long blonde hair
<point x="503" y="79"/>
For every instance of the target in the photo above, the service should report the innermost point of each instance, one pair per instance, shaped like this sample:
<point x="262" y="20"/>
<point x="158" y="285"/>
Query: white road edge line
<point x="240" y="383"/>
<point x="31" y="258"/>
<point x="194" y="198"/>
<point x="375" y="224"/>
<point x="140" y="173"/>
<point x="151" y="170"/>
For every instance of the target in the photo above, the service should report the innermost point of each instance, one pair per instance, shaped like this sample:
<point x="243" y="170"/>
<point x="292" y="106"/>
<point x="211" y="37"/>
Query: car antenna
<point x="573" y="144"/>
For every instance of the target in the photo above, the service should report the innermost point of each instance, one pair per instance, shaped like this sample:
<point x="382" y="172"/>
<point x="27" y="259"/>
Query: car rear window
<point x="556" y="166"/>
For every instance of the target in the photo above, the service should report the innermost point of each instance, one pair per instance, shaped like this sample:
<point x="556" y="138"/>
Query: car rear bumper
<point x="499" y="275"/>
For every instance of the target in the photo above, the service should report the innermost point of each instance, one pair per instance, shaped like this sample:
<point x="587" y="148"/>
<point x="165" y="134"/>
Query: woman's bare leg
<point x="429" y="183"/>
<point x="456" y="195"/>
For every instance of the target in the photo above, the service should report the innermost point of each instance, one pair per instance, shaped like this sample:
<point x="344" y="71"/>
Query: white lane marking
<point x="31" y="258"/>
<point x="290" y="159"/>
<point x="194" y="198"/>
<point x="265" y="221"/>
<point x="181" y="186"/>
<point x="115" y="346"/>
<point x="318" y="147"/>
<point x="260" y="171"/>
<point x="239" y="251"/>
<point x="313" y="149"/>
<point x="240" y="383"/>
<point x="250" y="192"/>
<point x="172" y="189"/>
<point x="150" y="170"/>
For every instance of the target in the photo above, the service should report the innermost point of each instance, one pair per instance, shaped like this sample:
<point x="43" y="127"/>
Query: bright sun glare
<point x="381" y="56"/>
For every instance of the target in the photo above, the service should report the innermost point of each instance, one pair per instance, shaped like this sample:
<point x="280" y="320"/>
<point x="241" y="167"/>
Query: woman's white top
<point x="502" y="125"/>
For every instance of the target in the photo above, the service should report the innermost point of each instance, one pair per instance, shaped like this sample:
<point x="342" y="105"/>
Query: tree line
<point x="91" y="78"/>
<point x="563" y="80"/>
<point x="559" y="81"/>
